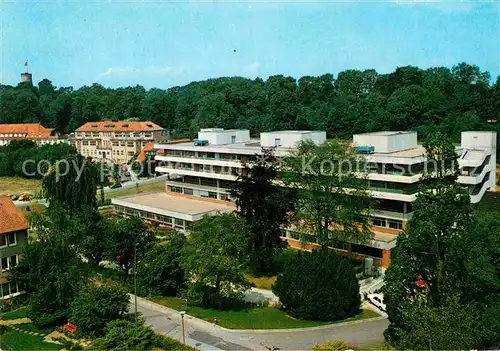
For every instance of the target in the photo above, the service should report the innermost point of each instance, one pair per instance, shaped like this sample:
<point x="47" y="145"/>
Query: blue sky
<point x="164" y="44"/>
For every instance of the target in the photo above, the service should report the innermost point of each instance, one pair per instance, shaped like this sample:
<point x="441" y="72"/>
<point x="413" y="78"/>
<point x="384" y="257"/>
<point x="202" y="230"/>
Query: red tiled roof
<point x="118" y="126"/>
<point x="29" y="130"/>
<point x="11" y="218"/>
<point x="147" y="148"/>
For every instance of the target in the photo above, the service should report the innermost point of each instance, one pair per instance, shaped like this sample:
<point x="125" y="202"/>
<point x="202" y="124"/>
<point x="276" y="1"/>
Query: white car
<point x="377" y="300"/>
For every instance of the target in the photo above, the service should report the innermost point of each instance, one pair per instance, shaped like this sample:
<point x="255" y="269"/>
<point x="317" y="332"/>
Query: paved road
<point x="206" y="336"/>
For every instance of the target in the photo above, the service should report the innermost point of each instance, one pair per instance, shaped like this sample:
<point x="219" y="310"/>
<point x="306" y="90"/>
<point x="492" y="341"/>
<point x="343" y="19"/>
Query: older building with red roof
<point x="30" y="131"/>
<point x="116" y="141"/>
<point x="13" y="237"/>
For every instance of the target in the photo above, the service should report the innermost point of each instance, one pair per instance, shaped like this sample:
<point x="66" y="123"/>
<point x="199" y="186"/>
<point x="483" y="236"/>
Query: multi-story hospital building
<point x="202" y="172"/>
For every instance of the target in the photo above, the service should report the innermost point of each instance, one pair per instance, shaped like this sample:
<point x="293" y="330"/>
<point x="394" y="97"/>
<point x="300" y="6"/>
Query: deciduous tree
<point x="265" y="208"/>
<point x="333" y="201"/>
<point x="215" y="257"/>
<point x="95" y="306"/>
<point x="159" y="270"/>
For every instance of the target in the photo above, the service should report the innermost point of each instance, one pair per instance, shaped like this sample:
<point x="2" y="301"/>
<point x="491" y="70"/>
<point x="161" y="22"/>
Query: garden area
<point x="24" y="336"/>
<point x="251" y="317"/>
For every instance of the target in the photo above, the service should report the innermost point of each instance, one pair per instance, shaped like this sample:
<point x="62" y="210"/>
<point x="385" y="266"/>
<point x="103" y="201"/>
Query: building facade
<point x="205" y="170"/>
<point x="13" y="237"/>
<point x="29" y="131"/>
<point x="115" y="141"/>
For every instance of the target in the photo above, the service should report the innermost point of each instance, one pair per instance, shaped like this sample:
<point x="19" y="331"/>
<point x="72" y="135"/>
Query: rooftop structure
<point x="29" y="131"/>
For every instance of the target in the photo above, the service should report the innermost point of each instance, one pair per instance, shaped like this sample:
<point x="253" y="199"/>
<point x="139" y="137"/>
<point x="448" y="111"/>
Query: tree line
<point x="426" y="100"/>
<point x="23" y="158"/>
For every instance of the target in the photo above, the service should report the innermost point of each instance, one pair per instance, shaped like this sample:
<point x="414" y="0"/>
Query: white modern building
<point x="201" y="173"/>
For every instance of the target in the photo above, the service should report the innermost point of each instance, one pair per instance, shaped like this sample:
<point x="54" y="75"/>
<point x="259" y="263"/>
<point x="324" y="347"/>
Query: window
<point x="5" y="289"/>
<point x="176" y="189"/>
<point x="233" y="139"/>
<point x="12" y="239"/>
<point x="223" y="197"/>
<point x="5" y="263"/>
<point x="188" y="191"/>
<point x="3" y="240"/>
<point x="13" y="288"/>
<point x="395" y="224"/>
<point x="379" y="222"/>
<point x="277" y="141"/>
<point x="366" y="250"/>
<point x="212" y="195"/>
<point x="209" y="182"/>
<point x="179" y="222"/>
<point x="13" y="261"/>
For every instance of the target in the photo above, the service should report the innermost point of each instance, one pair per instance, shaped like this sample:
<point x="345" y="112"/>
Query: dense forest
<point x="450" y="100"/>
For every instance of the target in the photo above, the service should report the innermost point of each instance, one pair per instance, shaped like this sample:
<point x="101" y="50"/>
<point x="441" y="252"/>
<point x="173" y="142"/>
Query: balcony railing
<point x="194" y="157"/>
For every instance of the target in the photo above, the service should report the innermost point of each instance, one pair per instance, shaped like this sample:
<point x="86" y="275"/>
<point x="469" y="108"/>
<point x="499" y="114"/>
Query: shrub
<point x="318" y="286"/>
<point x="122" y="334"/>
<point x="96" y="306"/>
<point x="165" y="343"/>
<point x="332" y="345"/>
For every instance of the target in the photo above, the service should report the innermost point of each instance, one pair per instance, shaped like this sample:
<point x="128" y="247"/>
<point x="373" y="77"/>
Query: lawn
<point x="17" y="185"/>
<point x="147" y="188"/>
<point x="13" y="340"/>
<point x="15" y="314"/>
<point x="251" y="318"/>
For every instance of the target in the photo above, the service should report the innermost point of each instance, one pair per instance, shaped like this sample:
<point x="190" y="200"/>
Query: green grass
<point x="151" y="187"/>
<point x="18" y="185"/>
<point x="251" y="318"/>
<point x="15" y="314"/>
<point x="13" y="340"/>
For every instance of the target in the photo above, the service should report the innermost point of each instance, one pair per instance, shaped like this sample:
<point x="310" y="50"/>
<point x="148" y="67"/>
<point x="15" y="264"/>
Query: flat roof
<point x="292" y="132"/>
<point x="174" y="203"/>
<point x="387" y="133"/>
<point x="384" y="237"/>
<point x="415" y="152"/>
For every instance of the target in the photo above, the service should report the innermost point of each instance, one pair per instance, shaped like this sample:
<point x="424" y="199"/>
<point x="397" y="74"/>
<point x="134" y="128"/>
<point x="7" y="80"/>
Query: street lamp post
<point x="182" y="313"/>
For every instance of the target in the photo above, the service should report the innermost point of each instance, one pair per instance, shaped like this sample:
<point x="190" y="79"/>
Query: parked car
<point x="116" y="185"/>
<point x="377" y="300"/>
<point x="126" y="174"/>
<point x="124" y="169"/>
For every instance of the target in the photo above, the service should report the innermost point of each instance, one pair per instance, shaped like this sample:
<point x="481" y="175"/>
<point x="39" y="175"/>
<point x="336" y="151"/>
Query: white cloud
<point x="251" y="70"/>
<point x="143" y="71"/>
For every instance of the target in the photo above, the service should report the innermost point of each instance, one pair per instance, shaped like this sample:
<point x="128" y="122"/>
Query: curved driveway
<point x="207" y="336"/>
